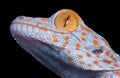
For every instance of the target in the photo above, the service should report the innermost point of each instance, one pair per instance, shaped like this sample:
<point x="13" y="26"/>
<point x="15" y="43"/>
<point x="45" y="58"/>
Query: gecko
<point x="66" y="45"/>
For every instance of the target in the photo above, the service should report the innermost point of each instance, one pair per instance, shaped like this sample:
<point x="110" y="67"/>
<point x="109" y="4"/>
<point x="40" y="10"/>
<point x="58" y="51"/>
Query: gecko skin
<point x="80" y="53"/>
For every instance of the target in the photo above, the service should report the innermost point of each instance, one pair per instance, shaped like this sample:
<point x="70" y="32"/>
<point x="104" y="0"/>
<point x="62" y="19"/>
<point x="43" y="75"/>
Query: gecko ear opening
<point x="67" y="20"/>
<point x="97" y="51"/>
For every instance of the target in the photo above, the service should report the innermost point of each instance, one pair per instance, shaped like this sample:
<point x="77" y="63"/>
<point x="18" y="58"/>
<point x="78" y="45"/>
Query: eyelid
<point x="61" y="21"/>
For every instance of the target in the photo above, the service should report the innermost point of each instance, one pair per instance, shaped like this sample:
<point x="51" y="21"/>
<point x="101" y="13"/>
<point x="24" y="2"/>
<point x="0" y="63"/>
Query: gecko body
<point x="66" y="45"/>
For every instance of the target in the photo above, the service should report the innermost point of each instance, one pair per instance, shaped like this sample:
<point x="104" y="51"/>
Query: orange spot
<point x="83" y="33"/>
<point x="81" y="26"/>
<point x="116" y="65"/>
<point x="66" y="38"/>
<point x="107" y="53"/>
<point x="79" y="56"/>
<point x="86" y="48"/>
<point x="101" y="47"/>
<point x="95" y="62"/>
<point x="77" y="46"/>
<point x="29" y="20"/>
<point x="44" y="29"/>
<point x="88" y="55"/>
<point x="95" y="42"/>
<point x="113" y="58"/>
<point x="27" y="26"/>
<point x="62" y="33"/>
<point x="90" y="65"/>
<point x="69" y="51"/>
<point x="54" y="37"/>
<point x="96" y="37"/>
<point x="65" y="44"/>
<point x="117" y="73"/>
<point x="20" y="18"/>
<point x="87" y="30"/>
<point x="55" y="40"/>
<point x="54" y="32"/>
<point x="107" y="61"/>
<point x="101" y="66"/>
<point x="33" y="27"/>
<point x="38" y="23"/>
<point x="70" y="58"/>
<point x="82" y="62"/>
<point x="89" y="68"/>
<point x="83" y="39"/>
<point x="112" y="67"/>
<point x="21" y="26"/>
<point x="44" y="19"/>
<point x="97" y="55"/>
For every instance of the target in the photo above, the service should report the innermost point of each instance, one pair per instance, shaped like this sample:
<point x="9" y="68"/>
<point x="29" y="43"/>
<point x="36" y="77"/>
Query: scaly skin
<point x="76" y="52"/>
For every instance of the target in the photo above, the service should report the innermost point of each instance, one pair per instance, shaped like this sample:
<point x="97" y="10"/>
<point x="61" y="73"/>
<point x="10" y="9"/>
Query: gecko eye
<point x="67" y="20"/>
<point x="97" y="51"/>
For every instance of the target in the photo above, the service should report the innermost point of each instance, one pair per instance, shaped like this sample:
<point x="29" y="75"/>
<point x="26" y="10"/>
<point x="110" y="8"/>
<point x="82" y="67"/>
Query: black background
<point x="102" y="17"/>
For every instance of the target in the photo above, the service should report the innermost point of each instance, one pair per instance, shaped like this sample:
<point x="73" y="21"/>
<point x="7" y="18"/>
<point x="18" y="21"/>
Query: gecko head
<point x="84" y="47"/>
<point x="65" y="36"/>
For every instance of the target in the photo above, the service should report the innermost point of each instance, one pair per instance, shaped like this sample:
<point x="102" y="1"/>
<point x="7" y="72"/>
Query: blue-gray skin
<point x="81" y="53"/>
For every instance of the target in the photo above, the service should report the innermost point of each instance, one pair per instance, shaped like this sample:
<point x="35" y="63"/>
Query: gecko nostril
<point x="97" y="51"/>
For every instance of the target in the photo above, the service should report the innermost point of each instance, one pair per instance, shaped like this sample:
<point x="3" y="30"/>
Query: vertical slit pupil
<point x="66" y="20"/>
